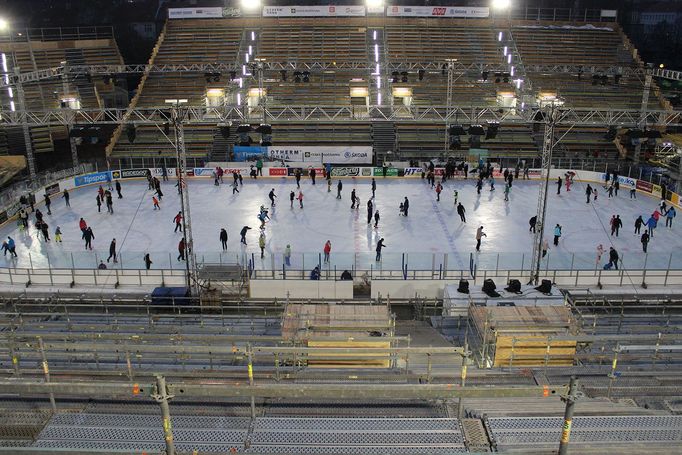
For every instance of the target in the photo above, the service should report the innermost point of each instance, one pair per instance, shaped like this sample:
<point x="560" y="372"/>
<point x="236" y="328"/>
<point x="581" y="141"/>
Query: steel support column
<point x="645" y="105"/>
<point x="568" y="415"/>
<point x="547" y="148"/>
<point x="181" y="157"/>
<point x="28" y="143"/>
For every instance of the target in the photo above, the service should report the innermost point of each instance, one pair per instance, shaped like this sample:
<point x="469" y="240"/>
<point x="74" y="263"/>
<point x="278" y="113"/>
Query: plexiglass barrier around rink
<point x="395" y="265"/>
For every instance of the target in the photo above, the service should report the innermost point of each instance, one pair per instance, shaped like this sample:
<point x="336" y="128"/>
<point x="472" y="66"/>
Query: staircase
<point x="384" y="139"/>
<point x="86" y="90"/>
<point x="15" y="141"/>
<point x="220" y="150"/>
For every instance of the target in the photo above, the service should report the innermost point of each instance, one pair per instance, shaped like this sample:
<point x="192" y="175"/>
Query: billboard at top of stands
<point x="438" y="11"/>
<point x="314" y="11"/>
<point x="328" y="154"/>
<point x="195" y="13"/>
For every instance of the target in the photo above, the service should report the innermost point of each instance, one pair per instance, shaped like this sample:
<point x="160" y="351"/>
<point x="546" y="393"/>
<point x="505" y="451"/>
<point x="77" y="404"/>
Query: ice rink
<point x="431" y="227"/>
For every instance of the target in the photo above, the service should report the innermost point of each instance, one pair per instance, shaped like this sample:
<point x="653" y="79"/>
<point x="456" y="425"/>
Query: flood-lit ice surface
<point x="431" y="227"/>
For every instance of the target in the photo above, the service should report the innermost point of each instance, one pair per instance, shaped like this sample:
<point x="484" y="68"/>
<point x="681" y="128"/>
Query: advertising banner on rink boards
<point x="327" y="154"/>
<point x="438" y="11"/>
<point x="314" y="11"/>
<point x="195" y="13"/>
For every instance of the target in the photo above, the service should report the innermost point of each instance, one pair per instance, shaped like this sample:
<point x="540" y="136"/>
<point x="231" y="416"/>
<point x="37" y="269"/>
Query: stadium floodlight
<point x="4" y="24"/>
<point x="250" y="5"/>
<point x="374" y="3"/>
<point x="501" y="4"/>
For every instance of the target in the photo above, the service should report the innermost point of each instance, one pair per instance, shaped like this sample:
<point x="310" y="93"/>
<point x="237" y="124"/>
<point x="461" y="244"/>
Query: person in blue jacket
<point x="670" y="214"/>
<point x="557" y="234"/>
<point x="315" y="274"/>
<point x="651" y="225"/>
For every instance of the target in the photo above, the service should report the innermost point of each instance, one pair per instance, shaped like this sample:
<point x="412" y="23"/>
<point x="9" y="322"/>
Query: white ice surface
<point x="432" y="227"/>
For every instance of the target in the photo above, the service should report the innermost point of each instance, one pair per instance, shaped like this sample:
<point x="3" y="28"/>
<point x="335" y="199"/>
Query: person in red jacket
<point x="83" y="226"/>
<point x="178" y="220"/>
<point x="439" y="188"/>
<point x="327" y="250"/>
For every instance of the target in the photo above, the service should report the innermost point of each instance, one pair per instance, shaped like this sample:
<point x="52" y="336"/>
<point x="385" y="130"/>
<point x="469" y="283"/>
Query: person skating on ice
<point x="339" y="187"/>
<point x="370" y="211"/>
<point x="461" y="211"/>
<point x="479" y="235"/>
<point x="380" y="245"/>
<point x="272" y="196"/>
<point x="223" y="238"/>
<point x="242" y="233"/>
<point x="177" y="219"/>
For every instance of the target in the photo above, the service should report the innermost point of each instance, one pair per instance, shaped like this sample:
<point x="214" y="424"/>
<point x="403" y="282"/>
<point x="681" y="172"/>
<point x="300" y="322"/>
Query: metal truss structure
<point x="201" y="115"/>
<point x="326" y="66"/>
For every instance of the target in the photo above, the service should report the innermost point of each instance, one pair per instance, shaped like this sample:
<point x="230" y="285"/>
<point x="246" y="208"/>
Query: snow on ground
<point x="431" y="227"/>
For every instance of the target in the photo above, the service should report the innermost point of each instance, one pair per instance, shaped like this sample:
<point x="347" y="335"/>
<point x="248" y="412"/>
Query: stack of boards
<point x="328" y="326"/>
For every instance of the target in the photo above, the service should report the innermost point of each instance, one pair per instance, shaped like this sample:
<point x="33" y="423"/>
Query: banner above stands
<point x="314" y="11"/>
<point x="438" y="11"/>
<point x="195" y="13"/>
<point x="311" y="154"/>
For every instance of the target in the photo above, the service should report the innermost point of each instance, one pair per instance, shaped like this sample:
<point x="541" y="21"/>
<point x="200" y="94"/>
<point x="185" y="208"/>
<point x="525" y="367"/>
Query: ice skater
<point x="339" y="187"/>
<point x="633" y="193"/>
<point x="292" y="196"/>
<point x="455" y="195"/>
<point x="376" y="219"/>
<point x="11" y="246"/>
<point x="557" y="234"/>
<point x="439" y="188"/>
<point x="352" y="199"/>
<point x="287" y="255"/>
<point x="610" y="191"/>
<point x="159" y="193"/>
<point x="651" y="225"/>
<point x="479" y="235"/>
<point x="327" y="250"/>
<point x="492" y="183"/>
<point x="479" y="185"/>
<point x="112" y="251"/>
<point x="242" y="233"/>
<point x="110" y="202"/>
<point x="329" y="185"/>
<point x="82" y="225"/>
<point x="99" y="203"/>
<point x="272" y="196"/>
<point x="645" y="241"/>
<point x="616" y="225"/>
<point x="588" y="192"/>
<point x="507" y="189"/>
<point x="300" y="198"/>
<point x="223" y="238"/>
<point x="235" y="187"/>
<point x="118" y="189"/>
<point x="613" y="259"/>
<point x="177" y="219"/>
<point x="669" y="216"/>
<point x="44" y="231"/>
<point x="600" y="253"/>
<point x="312" y="174"/>
<point x="532" y="222"/>
<point x="370" y="211"/>
<point x="558" y="185"/>
<point x="156" y="203"/>
<point x="262" y="216"/>
<point x="374" y="187"/>
<point x="406" y="206"/>
<point x="297" y="175"/>
<point x="48" y="203"/>
<point x="380" y="245"/>
<point x="545" y="247"/>
<point x="58" y="235"/>
<point x="89" y="236"/>
<point x="66" y="196"/>
<point x="261" y="244"/>
<point x="638" y="224"/>
<point x="181" y="249"/>
<point x="594" y="192"/>
<point x="461" y="211"/>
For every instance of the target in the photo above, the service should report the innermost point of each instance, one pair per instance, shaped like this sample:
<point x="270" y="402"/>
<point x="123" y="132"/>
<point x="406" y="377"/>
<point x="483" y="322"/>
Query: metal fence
<point x="10" y="195"/>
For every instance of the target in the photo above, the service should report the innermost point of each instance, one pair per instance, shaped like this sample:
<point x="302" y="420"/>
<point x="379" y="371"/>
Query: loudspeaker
<point x="545" y="287"/>
<point x="514" y="286"/>
<point x="489" y="288"/>
<point x="463" y="287"/>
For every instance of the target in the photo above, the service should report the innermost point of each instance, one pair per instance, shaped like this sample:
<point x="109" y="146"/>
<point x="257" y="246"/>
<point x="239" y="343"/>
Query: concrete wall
<point x="301" y="289"/>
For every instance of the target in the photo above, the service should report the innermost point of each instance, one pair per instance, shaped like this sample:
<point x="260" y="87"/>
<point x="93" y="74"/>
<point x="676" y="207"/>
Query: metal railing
<point x="9" y="196"/>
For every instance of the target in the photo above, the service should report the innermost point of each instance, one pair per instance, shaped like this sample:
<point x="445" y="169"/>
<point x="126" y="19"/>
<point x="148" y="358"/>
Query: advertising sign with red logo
<point x="644" y="186"/>
<point x="277" y="171"/>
